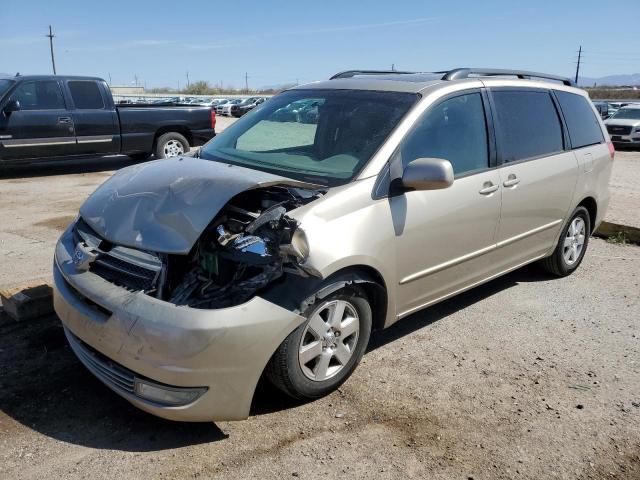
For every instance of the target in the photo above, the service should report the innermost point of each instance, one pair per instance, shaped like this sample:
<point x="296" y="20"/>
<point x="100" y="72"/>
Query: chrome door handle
<point x="511" y="181"/>
<point x="488" y="188"/>
<point x="64" y="119"/>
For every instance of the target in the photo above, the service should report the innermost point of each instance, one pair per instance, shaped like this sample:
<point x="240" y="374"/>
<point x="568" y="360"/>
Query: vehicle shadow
<point x="46" y="168"/>
<point x="45" y="388"/>
<point x="269" y="399"/>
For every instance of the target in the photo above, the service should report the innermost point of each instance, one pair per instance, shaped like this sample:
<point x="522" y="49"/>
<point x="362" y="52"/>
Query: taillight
<point x="612" y="150"/>
<point x="213" y="118"/>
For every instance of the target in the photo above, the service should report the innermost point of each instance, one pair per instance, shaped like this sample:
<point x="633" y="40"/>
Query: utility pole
<point x="136" y="79"/>
<point x="393" y="67"/>
<point x="53" y="60"/>
<point x="578" y="64"/>
<point x="246" y="82"/>
<point x="109" y="79"/>
<point x="188" y="82"/>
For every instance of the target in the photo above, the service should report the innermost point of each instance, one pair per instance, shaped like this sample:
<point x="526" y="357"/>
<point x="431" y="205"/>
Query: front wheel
<point x="571" y="246"/>
<point x="171" y="144"/>
<point x="317" y="357"/>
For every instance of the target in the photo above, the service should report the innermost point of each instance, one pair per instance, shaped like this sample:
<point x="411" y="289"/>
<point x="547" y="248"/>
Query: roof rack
<point x="353" y="73"/>
<point x="459" y="73"/>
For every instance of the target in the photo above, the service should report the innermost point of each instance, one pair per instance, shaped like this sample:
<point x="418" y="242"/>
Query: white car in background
<point x="226" y="108"/>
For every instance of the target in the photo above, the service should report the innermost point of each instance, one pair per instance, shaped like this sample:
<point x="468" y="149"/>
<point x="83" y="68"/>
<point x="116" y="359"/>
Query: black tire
<point x="284" y="369"/>
<point x="140" y="156"/>
<point x="556" y="263"/>
<point x="164" y="139"/>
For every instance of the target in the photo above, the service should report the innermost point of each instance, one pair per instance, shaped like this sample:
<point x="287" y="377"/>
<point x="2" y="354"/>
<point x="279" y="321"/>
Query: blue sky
<point x="279" y="41"/>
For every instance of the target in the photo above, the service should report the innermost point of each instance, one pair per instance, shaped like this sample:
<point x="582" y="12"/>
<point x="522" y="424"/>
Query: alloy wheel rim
<point x="574" y="241"/>
<point x="329" y="340"/>
<point x="173" y="148"/>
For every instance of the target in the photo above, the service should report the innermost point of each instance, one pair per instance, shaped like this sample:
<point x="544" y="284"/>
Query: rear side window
<point x="584" y="128"/>
<point x="454" y="130"/>
<point x="39" y="95"/>
<point x="86" y="95"/>
<point x="527" y="124"/>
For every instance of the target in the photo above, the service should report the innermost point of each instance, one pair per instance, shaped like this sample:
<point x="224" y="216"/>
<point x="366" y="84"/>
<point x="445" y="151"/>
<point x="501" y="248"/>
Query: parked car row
<point x="237" y="107"/>
<point x="608" y="109"/>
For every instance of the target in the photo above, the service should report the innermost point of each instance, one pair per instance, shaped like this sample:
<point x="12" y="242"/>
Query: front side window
<point x="39" y="95"/>
<point x="319" y="136"/>
<point x="584" y="128"/>
<point x="453" y="130"/>
<point x="5" y="85"/>
<point x="527" y="124"/>
<point x="86" y="95"/>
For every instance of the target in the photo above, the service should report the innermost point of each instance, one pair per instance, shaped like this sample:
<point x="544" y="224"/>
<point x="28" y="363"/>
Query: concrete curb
<point x="611" y="230"/>
<point x="26" y="302"/>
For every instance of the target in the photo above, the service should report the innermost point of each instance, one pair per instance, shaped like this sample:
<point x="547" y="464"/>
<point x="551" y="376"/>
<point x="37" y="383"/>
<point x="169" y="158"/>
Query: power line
<point x="53" y="60"/>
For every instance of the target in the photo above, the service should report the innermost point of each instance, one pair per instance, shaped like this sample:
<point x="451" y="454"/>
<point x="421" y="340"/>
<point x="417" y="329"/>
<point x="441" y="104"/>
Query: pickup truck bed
<point x="60" y="116"/>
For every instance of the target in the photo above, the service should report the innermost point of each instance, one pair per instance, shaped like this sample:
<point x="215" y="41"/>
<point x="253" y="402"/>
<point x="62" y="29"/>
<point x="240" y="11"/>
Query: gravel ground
<point x="625" y="189"/>
<point x="524" y="377"/>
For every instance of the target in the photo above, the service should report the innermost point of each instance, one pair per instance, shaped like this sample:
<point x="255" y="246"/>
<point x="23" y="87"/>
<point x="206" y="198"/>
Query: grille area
<point x="107" y="371"/>
<point x="132" y="269"/>
<point x="618" y="129"/>
<point x="125" y="274"/>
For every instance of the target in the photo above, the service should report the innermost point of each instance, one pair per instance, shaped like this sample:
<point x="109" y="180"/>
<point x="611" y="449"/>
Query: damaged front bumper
<point x="140" y="346"/>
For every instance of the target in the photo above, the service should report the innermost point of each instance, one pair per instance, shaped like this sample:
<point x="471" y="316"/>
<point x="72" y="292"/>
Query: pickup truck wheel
<point x="171" y="144"/>
<point x="319" y="355"/>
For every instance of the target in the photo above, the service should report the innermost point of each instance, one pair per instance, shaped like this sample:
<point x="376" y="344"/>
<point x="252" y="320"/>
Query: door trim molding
<point x="469" y="287"/>
<point x="528" y="233"/>
<point x="38" y="142"/>
<point x="95" y="139"/>
<point x="477" y="253"/>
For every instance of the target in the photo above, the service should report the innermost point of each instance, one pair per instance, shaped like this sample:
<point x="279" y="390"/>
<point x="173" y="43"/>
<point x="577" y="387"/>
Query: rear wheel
<point x="171" y="144"/>
<point x="323" y="352"/>
<point x="571" y="246"/>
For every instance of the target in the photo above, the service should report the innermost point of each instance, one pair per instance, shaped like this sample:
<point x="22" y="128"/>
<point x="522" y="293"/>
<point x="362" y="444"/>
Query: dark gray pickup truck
<point x="49" y="116"/>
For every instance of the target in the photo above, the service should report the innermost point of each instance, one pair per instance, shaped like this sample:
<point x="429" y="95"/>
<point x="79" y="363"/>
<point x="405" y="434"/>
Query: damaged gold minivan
<point x="333" y="209"/>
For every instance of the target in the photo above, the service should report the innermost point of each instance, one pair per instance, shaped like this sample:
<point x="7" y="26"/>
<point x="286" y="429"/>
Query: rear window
<point x="583" y="125"/>
<point x="528" y="124"/>
<point x="86" y="95"/>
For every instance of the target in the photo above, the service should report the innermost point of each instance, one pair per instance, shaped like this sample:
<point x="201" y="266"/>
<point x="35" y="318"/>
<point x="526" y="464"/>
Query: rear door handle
<point x="488" y="188"/>
<point x="64" y="119"/>
<point x="511" y="181"/>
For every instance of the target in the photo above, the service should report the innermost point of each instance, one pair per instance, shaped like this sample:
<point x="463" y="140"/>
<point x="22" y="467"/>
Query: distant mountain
<point x="610" y="80"/>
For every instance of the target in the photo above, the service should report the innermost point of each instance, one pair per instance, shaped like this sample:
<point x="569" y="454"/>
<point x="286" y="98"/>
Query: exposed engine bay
<point x="248" y="245"/>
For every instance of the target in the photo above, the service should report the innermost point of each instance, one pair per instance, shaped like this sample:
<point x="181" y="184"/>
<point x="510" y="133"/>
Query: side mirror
<point x="11" y="106"/>
<point x="427" y="174"/>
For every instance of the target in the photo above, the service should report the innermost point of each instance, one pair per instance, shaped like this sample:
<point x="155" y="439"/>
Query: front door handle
<point x="511" y="181"/>
<point x="64" y="119"/>
<point x="488" y="188"/>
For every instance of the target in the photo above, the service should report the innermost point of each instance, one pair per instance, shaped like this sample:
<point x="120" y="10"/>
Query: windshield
<point x="4" y="86"/>
<point x="627" y="113"/>
<point x="319" y="136"/>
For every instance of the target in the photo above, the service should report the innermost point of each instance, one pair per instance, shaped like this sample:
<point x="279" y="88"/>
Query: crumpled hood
<point x="164" y="205"/>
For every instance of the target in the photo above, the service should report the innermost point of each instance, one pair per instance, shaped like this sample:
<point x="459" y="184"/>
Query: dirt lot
<point x="525" y="377"/>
